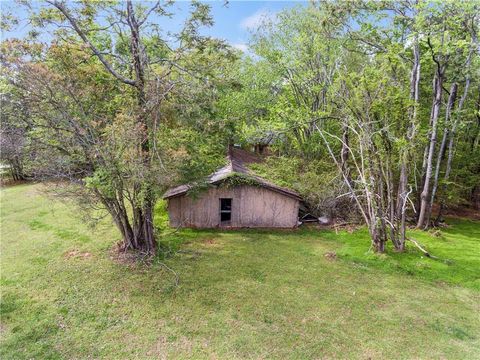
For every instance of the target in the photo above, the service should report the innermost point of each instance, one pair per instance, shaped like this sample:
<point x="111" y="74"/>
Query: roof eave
<point x="271" y="187"/>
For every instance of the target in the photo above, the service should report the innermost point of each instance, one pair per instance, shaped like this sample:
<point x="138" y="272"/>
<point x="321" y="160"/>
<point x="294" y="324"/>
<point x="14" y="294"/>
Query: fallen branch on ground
<point x="177" y="278"/>
<point x="426" y="253"/>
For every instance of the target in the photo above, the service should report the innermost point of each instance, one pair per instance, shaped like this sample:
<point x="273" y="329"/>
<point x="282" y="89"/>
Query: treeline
<point x="368" y="108"/>
<point x="382" y="97"/>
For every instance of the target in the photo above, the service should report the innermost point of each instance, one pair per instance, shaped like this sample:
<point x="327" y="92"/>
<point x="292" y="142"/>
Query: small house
<point x="235" y="198"/>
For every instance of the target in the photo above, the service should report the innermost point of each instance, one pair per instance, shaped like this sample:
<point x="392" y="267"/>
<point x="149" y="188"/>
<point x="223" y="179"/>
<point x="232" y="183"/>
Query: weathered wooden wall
<point x="252" y="206"/>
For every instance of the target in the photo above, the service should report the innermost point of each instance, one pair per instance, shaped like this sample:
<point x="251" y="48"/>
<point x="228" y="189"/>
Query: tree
<point x="108" y="131"/>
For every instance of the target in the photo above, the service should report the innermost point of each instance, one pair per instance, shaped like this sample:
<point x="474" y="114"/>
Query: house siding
<point x="252" y="206"/>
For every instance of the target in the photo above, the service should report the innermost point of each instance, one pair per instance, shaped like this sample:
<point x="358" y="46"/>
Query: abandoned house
<point x="248" y="201"/>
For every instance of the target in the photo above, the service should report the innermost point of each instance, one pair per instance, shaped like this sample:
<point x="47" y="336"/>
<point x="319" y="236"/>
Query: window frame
<point x="224" y="211"/>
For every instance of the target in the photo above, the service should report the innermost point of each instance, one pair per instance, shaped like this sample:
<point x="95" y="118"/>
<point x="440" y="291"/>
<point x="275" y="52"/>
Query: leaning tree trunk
<point x="344" y="153"/>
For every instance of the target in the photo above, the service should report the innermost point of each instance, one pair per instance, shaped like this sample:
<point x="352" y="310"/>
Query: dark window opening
<point x="225" y="210"/>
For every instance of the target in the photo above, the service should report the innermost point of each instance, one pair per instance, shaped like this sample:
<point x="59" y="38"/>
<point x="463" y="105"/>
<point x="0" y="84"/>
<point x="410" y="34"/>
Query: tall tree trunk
<point x="403" y="193"/>
<point x="344" y="153"/>
<point x="144" y="234"/>
<point x="441" y="152"/>
<point x="437" y="102"/>
<point x="475" y="136"/>
<point x="452" y="133"/>
<point x="377" y="230"/>
<point x="420" y="180"/>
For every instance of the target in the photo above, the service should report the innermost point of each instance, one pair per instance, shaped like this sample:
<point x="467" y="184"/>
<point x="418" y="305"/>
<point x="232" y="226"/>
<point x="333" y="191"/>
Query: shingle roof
<point x="237" y="159"/>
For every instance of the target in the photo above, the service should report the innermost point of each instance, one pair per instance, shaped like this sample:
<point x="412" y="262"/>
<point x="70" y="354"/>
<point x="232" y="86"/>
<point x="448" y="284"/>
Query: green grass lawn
<point x="242" y="294"/>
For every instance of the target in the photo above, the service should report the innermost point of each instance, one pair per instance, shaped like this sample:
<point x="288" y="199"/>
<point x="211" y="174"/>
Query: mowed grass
<point x="242" y="294"/>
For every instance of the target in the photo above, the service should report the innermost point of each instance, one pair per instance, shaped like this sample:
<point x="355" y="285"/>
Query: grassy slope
<point x="242" y="294"/>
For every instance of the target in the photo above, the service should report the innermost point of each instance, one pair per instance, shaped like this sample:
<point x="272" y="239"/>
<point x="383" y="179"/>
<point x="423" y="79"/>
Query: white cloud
<point x="241" y="47"/>
<point x="253" y="21"/>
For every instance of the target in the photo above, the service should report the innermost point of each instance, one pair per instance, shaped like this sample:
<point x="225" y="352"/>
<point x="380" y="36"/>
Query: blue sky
<point x="232" y="22"/>
<point x="235" y="22"/>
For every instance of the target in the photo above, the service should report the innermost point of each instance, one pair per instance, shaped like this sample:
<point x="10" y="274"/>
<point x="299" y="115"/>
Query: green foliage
<point x="101" y="181"/>
<point x="194" y="153"/>
<point x="315" y="180"/>
<point x="239" y="179"/>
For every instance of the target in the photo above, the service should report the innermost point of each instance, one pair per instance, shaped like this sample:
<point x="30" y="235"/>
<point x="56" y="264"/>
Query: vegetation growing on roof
<point x="238" y="179"/>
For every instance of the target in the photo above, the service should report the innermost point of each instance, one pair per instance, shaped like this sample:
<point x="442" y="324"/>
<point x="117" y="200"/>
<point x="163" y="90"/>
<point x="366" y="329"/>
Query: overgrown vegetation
<point x="343" y="90"/>
<point x="242" y="294"/>
<point x="369" y="108"/>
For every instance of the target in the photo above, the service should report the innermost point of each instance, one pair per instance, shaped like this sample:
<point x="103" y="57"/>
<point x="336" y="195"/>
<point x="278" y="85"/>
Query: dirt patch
<point x="123" y="257"/>
<point x="468" y="213"/>
<point x="160" y="349"/>
<point x="331" y="255"/>
<point x="129" y="258"/>
<point x="76" y="254"/>
<point x="210" y="242"/>
<point x="3" y="330"/>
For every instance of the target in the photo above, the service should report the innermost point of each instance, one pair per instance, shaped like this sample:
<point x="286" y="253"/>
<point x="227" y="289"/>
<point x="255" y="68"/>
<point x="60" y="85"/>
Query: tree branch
<point x="85" y="39"/>
<point x="153" y="8"/>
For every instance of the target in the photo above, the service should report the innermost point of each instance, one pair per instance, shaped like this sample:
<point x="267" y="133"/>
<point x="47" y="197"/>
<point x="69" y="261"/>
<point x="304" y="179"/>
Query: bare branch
<point x="153" y="8"/>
